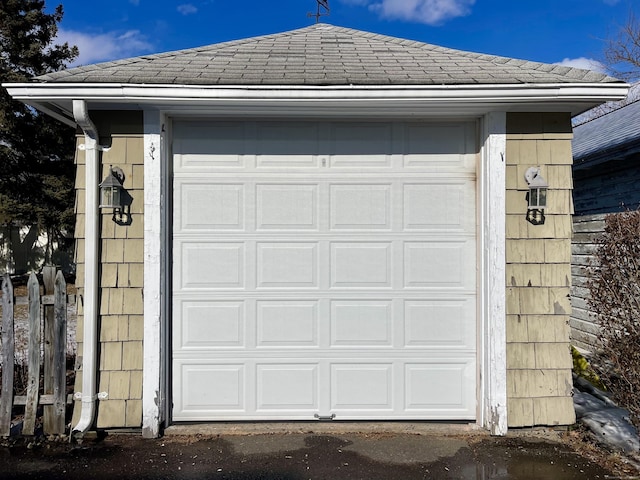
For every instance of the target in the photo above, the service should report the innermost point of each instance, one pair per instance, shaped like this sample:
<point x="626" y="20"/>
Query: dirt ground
<point x="298" y="456"/>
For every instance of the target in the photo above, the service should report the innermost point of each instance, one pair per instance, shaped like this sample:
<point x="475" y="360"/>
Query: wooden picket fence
<point x="50" y="308"/>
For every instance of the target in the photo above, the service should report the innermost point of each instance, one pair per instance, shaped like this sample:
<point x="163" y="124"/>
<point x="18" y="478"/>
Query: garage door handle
<point x="324" y="418"/>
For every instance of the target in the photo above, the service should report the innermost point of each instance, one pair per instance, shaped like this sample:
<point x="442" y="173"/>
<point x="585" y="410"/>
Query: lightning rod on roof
<point x="322" y="4"/>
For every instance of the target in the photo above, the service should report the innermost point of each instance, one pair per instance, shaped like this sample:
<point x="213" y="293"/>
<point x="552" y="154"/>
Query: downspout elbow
<point x="92" y="265"/>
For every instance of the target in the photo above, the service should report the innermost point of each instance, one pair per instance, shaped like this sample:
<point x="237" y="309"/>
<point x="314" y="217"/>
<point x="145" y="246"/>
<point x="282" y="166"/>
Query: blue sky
<point x="551" y="31"/>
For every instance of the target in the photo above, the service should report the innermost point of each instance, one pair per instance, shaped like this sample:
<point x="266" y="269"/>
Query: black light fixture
<point x="111" y="192"/>
<point x="537" y="196"/>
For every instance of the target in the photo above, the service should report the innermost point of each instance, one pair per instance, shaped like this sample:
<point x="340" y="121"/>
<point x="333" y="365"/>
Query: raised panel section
<point x="287" y="387"/>
<point x="212" y="387"/>
<point x="212" y="265"/>
<point x="361" y="145"/>
<point x="209" y="145"/>
<point x="436" y="145"/>
<point x="287" y="265"/>
<point x="360" y="207"/>
<point x="361" y="323"/>
<point x="440" y="386"/>
<point x="287" y="207"/>
<point x="209" y="324"/>
<point x="211" y="207"/>
<point x="287" y="144"/>
<point x="441" y="323"/>
<point x="359" y="265"/>
<point x="435" y="206"/>
<point x="363" y="386"/>
<point x="287" y="323"/>
<point x="438" y="264"/>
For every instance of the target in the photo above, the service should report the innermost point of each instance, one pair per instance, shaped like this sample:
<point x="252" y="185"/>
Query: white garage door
<point x="324" y="269"/>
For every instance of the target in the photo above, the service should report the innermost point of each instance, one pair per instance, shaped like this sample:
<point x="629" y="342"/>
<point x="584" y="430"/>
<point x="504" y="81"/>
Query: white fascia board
<point x="411" y="97"/>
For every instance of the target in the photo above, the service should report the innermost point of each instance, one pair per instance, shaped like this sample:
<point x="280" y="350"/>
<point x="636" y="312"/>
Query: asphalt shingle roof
<point x="616" y="130"/>
<point x="323" y="55"/>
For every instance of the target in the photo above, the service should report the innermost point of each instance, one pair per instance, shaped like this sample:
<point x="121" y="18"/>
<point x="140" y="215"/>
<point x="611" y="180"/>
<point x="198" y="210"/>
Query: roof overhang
<point x="56" y="99"/>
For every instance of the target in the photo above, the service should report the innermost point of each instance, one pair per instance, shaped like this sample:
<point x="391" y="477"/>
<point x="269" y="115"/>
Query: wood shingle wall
<point x="538" y="271"/>
<point x="121" y="276"/>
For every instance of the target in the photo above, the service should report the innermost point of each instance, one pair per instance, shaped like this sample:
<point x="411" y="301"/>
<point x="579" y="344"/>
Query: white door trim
<point x="155" y="270"/>
<point x="492" y="287"/>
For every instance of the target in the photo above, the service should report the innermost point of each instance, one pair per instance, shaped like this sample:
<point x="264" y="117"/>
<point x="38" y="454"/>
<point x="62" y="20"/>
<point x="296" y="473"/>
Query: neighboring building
<point x="606" y="176"/>
<point x="322" y="222"/>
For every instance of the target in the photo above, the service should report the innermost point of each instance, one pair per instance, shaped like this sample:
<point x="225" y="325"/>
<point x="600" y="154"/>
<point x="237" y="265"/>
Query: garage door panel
<point x="225" y="207"/>
<point x="286" y="144"/>
<point x="292" y="323"/>
<point x="209" y="324"/>
<point x="211" y="265"/>
<point x="354" y="145"/>
<point x="360" y="206"/>
<point x="287" y="265"/>
<point x="209" y="145"/>
<point x="361" y="387"/>
<point x="439" y="323"/>
<point x="196" y="394"/>
<point x="440" y="386"/>
<point x="358" y="323"/>
<point x="450" y="145"/>
<point x="442" y="206"/>
<point x="361" y="265"/>
<point x="286" y="206"/>
<point x="287" y="387"/>
<point x="324" y="268"/>
<point x="439" y="264"/>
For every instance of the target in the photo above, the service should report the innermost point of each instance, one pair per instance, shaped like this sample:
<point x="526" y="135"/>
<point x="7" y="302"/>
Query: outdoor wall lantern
<point x="112" y="193"/>
<point x="537" y="196"/>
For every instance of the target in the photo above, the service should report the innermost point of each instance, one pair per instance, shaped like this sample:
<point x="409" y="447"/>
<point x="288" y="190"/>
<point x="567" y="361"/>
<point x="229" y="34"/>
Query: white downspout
<point x="92" y="264"/>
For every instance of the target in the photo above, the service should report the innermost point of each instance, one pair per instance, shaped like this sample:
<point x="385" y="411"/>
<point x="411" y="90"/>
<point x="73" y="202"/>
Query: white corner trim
<point x="153" y="275"/>
<point x="493" y="284"/>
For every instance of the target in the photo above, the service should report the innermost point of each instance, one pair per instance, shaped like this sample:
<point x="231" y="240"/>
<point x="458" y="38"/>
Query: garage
<point x="324" y="270"/>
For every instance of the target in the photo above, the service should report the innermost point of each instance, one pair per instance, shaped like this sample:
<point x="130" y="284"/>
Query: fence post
<point x="31" y="406"/>
<point x="48" y="279"/>
<point x="59" y="355"/>
<point x="8" y="346"/>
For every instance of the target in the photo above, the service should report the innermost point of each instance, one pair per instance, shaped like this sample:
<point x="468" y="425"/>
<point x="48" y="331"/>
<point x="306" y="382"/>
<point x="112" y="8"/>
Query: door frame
<point x="491" y="288"/>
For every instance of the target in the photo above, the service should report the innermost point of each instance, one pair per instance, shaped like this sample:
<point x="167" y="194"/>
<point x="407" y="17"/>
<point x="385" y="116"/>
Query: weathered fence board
<point x="57" y="423"/>
<point x="48" y="279"/>
<point x="53" y="397"/>
<point x="33" y="384"/>
<point x="8" y="344"/>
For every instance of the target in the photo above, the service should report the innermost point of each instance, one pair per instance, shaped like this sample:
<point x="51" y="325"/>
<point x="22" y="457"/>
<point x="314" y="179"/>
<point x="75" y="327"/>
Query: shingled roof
<point x="613" y="135"/>
<point x="324" y="55"/>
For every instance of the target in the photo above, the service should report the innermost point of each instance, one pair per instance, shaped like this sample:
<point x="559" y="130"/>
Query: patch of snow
<point x="609" y="423"/>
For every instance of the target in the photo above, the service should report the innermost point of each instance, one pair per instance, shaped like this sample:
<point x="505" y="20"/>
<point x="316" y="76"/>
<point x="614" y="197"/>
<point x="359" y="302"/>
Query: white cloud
<point x="134" y="2"/>
<point x="187" y="9"/>
<point x="105" y="46"/>
<point x="430" y="12"/>
<point x="585" y="63"/>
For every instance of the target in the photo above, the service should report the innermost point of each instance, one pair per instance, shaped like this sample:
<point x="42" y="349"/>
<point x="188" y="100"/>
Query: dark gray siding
<point x="609" y="187"/>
